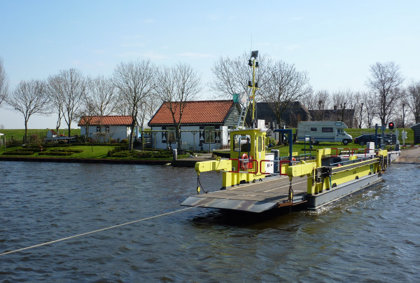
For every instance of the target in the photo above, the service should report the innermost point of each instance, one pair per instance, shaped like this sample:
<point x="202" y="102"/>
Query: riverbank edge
<point x="176" y="163"/>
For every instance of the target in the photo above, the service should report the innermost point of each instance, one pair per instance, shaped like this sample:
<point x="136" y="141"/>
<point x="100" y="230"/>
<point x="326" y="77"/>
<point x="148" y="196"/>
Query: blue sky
<point x="335" y="42"/>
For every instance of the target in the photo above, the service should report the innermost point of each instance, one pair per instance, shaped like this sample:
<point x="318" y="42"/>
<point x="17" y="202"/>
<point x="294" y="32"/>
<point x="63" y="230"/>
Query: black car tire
<point x="345" y="142"/>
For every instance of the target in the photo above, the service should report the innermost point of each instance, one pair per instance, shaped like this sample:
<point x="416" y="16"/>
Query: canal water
<point x="373" y="236"/>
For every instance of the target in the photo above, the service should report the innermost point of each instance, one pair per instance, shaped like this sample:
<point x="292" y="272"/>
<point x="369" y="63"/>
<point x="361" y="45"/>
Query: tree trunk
<point x="69" y="130"/>
<point x="25" y="137"/>
<point x="130" y="143"/>
<point x="178" y="137"/>
<point x="142" y="137"/>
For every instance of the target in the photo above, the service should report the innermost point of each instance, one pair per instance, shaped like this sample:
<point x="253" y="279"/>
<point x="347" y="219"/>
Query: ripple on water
<point x="370" y="236"/>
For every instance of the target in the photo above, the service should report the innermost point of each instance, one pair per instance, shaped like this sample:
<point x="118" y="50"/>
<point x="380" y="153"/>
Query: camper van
<point x="323" y="131"/>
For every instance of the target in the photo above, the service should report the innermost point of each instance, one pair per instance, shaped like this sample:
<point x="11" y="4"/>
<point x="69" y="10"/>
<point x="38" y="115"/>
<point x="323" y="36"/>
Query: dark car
<point x="363" y="139"/>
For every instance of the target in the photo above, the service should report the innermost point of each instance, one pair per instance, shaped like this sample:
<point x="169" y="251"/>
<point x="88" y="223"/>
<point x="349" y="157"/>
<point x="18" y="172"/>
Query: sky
<point x="334" y="42"/>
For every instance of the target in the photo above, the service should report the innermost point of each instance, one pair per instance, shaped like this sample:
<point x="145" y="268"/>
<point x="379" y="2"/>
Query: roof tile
<point x="106" y="120"/>
<point x="195" y="112"/>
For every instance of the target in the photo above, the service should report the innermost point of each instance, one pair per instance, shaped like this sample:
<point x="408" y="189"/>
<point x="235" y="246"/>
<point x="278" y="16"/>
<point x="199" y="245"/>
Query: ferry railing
<point x="245" y="161"/>
<point x="336" y="152"/>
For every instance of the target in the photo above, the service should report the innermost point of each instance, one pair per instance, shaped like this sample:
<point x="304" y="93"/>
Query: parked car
<point x="363" y="139"/>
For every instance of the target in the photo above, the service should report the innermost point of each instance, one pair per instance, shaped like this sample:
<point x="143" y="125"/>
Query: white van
<point x="323" y="131"/>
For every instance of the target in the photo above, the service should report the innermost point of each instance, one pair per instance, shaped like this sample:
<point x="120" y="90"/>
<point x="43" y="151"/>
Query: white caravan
<point x="323" y="131"/>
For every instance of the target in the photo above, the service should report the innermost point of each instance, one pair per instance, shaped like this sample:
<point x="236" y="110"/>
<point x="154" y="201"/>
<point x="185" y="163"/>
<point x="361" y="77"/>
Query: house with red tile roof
<point x="204" y="124"/>
<point x="105" y="128"/>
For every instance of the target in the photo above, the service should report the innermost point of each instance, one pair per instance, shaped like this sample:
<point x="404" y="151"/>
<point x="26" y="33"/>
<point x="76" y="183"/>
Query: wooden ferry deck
<point x="253" y="197"/>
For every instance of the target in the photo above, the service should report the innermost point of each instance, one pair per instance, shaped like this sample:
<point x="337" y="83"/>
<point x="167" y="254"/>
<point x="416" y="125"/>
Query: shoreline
<point x="176" y="163"/>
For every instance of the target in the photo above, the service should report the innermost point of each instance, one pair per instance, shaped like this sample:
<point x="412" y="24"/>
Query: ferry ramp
<point x="256" y="197"/>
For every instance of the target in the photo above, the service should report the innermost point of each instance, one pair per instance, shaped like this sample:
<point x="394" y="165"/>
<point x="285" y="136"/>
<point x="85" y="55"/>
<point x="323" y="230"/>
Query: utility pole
<point x="253" y="63"/>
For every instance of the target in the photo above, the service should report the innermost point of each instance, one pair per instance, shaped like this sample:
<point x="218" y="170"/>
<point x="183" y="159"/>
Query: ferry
<point x="256" y="181"/>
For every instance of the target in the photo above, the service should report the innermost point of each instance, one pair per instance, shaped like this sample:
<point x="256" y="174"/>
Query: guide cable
<point x="94" y="231"/>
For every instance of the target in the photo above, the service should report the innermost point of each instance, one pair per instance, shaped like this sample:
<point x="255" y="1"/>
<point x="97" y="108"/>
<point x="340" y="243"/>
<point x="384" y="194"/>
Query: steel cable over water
<point x="94" y="231"/>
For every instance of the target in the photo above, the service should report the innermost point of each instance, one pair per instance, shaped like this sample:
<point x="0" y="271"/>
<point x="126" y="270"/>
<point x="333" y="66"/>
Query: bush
<point x="33" y="148"/>
<point x="140" y="154"/>
<point x="18" y="152"/>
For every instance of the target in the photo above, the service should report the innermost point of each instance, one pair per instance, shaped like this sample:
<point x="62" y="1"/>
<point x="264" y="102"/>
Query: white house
<point x="204" y="125"/>
<point x="106" y="128"/>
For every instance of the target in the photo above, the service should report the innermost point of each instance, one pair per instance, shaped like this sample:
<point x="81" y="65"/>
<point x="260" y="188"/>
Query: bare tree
<point x="175" y="86"/>
<point x="29" y="98"/>
<point x="413" y="100"/>
<point x="55" y="91"/>
<point x="101" y="96"/>
<point x="285" y="85"/>
<point x="3" y="83"/>
<point x="369" y="102"/>
<point x="135" y="81"/>
<point x="384" y="82"/>
<point x="359" y="108"/>
<point x="231" y="76"/>
<point x="317" y="101"/>
<point x="68" y="88"/>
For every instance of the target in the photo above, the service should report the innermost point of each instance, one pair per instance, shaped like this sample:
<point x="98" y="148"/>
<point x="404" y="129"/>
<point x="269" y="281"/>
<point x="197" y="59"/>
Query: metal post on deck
<point x="289" y="133"/>
<point x="276" y="160"/>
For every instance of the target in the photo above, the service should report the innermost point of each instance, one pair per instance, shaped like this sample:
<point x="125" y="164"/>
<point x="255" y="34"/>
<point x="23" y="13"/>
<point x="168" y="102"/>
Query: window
<point x="209" y="134"/>
<point x="260" y="144"/>
<point x="242" y="143"/>
<point x="106" y="129"/>
<point x="327" y="130"/>
<point x="98" y="129"/>
<point x="313" y="129"/>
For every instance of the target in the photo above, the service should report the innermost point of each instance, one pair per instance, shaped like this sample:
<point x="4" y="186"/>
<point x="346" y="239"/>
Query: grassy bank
<point x="39" y="134"/>
<point x="85" y="152"/>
